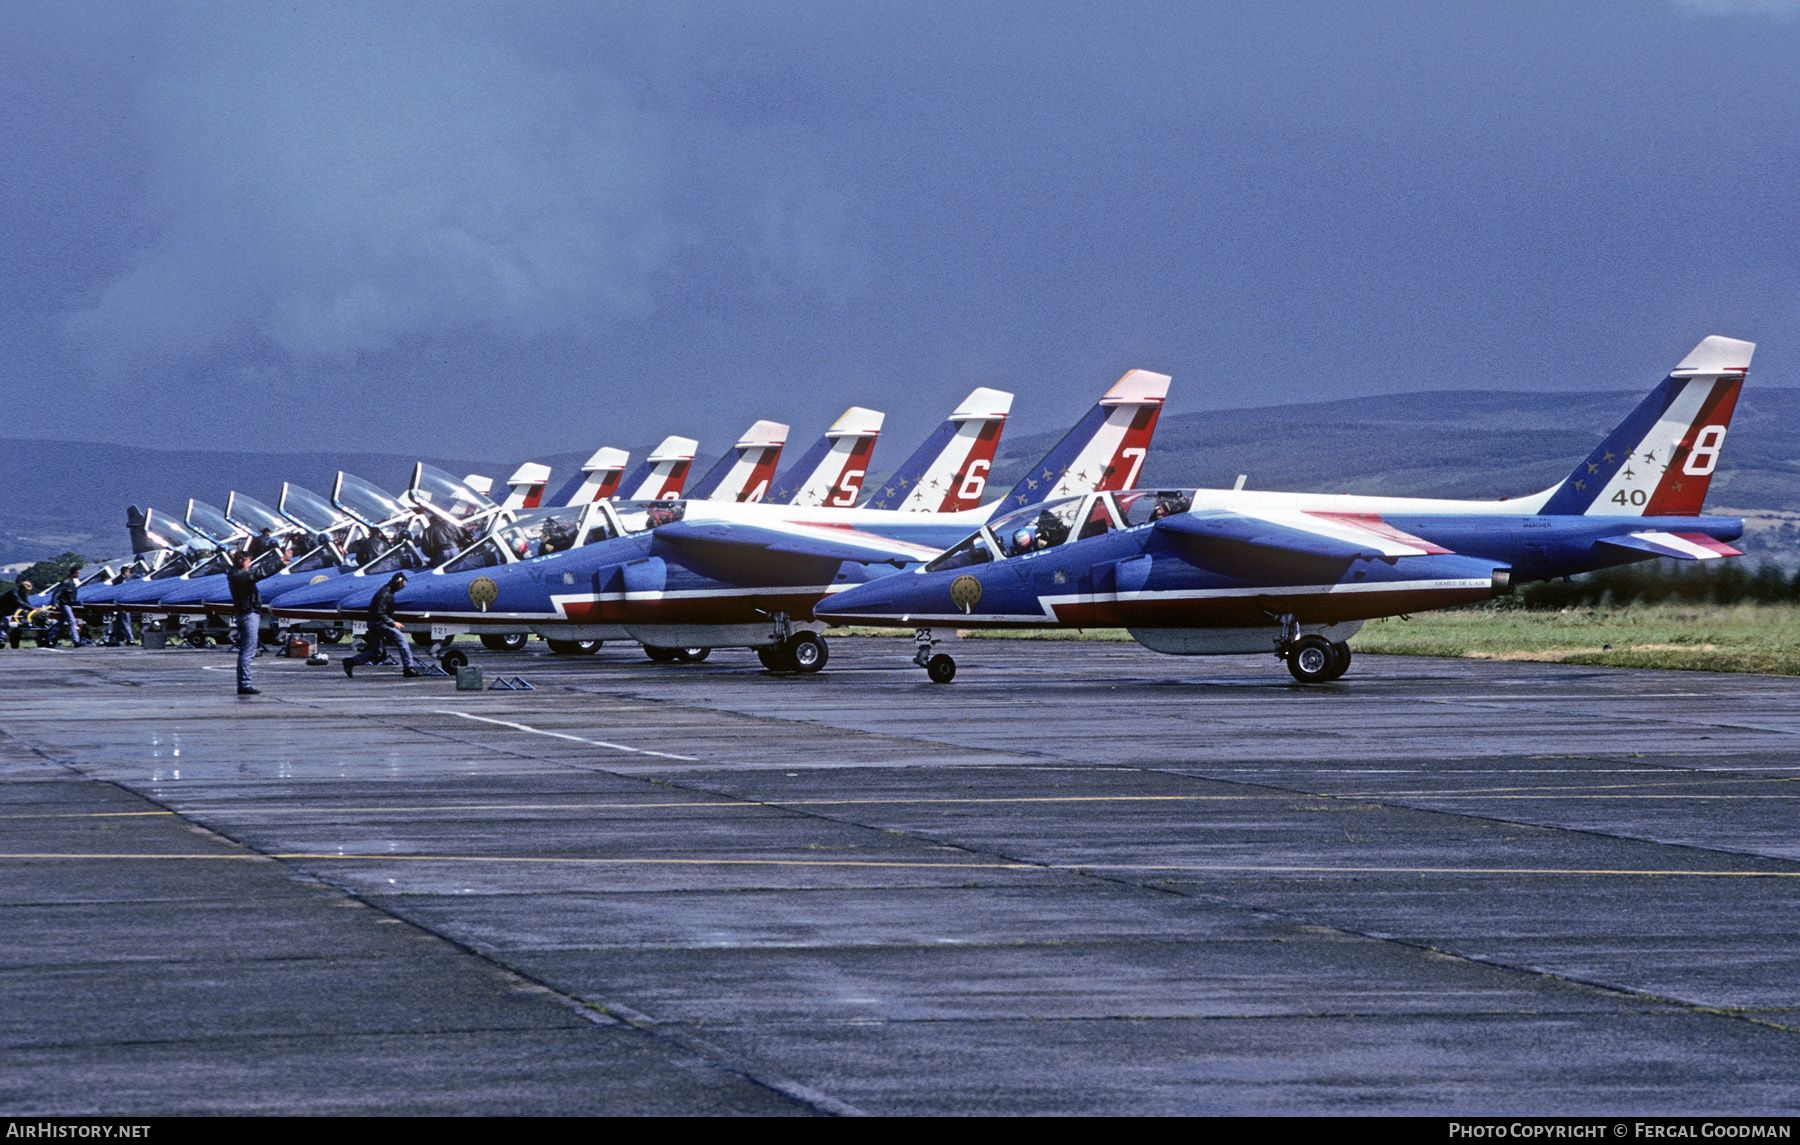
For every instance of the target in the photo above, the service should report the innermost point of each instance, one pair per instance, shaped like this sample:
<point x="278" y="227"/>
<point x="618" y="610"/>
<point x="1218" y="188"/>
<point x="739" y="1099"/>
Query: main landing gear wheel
<point x="1312" y="659"/>
<point x="1341" y="651"/>
<point x="941" y="669"/>
<point x="331" y="635"/>
<point x="661" y="655"/>
<point x="774" y="658"/>
<point x="512" y="642"/>
<point x="686" y="655"/>
<point x="422" y="639"/>
<point x="453" y="659"/>
<point x="573" y="647"/>
<point x="806" y="652"/>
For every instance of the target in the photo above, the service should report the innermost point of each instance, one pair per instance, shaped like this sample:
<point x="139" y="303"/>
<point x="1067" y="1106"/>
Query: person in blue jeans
<point x="384" y="630"/>
<point x="246" y="605"/>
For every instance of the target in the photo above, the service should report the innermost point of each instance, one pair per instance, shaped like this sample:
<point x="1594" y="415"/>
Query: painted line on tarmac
<point x="88" y="815"/>
<point x="115" y="856"/>
<point x="1146" y="868"/>
<point x="565" y="735"/>
<point x="774" y="804"/>
<point x="325" y="811"/>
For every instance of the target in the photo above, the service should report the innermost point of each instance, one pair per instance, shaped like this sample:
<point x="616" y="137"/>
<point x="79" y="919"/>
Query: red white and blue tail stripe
<point x="949" y="472"/>
<point x="526" y="486"/>
<point x="746" y="472"/>
<point x="1105" y="450"/>
<point x="598" y="480"/>
<point x="1660" y="460"/>
<point x="832" y="471"/>
<point x="663" y="475"/>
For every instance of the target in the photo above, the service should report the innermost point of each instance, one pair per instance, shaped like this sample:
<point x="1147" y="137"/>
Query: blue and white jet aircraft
<point x="687" y="577"/>
<point x="1208" y="571"/>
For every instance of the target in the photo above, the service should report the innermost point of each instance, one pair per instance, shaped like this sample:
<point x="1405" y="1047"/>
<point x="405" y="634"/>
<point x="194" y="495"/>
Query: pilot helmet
<point x="1025" y="539"/>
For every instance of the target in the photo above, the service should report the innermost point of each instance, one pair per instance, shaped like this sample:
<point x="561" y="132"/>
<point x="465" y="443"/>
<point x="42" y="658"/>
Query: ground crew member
<point x="384" y="630"/>
<point x="62" y="599"/>
<point x="12" y="602"/>
<point x="246" y="605"/>
<point x="441" y="540"/>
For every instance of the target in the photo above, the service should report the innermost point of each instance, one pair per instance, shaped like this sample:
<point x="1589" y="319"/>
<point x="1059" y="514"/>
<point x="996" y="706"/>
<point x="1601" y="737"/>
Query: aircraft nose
<point x="877" y="598"/>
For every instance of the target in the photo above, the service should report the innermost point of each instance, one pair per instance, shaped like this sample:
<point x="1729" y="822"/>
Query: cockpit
<point x="541" y="533"/>
<point x="437" y="492"/>
<point x="1052" y="523"/>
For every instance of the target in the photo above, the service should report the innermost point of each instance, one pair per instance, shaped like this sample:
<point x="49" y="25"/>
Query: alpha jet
<point x="1206" y="572"/>
<point x="696" y="575"/>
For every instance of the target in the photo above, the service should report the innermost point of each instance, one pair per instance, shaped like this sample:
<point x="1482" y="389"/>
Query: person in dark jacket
<point x="13" y="602"/>
<point x="63" y="600"/>
<point x="263" y="542"/>
<point x="246" y="605"/>
<point x="441" y="541"/>
<point x="368" y="547"/>
<point x="383" y="631"/>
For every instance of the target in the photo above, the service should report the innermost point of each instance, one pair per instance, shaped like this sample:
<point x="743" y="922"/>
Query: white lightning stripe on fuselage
<point x="1049" y="603"/>
<point x="1662" y="438"/>
<point x="561" y="602"/>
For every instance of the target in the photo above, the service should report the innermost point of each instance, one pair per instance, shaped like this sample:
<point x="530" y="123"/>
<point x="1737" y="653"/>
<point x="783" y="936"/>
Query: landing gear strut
<point x="938" y="665"/>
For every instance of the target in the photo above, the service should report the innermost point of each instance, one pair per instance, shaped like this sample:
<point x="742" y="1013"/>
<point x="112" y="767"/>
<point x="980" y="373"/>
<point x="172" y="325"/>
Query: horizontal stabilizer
<point x="1681" y="546"/>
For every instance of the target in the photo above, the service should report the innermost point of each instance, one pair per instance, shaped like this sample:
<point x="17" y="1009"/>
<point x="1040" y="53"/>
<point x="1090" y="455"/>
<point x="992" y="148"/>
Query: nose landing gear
<point x="938" y="665"/>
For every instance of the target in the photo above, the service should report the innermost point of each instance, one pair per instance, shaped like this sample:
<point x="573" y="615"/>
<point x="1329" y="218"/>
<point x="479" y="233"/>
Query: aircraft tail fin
<point x="744" y="473"/>
<point x="138" y="522"/>
<point x="949" y="472"/>
<point x="1105" y="450"/>
<point x="527" y="486"/>
<point x="832" y="471"/>
<point x="481" y="485"/>
<point x="598" y="479"/>
<point x="1660" y="460"/>
<point x="663" y="475"/>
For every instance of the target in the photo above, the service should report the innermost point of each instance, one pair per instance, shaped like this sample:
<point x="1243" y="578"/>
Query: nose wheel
<point x="938" y="665"/>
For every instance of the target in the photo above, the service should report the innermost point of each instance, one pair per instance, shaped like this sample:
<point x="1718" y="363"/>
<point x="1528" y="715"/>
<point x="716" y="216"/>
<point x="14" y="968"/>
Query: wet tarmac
<point x="1083" y="878"/>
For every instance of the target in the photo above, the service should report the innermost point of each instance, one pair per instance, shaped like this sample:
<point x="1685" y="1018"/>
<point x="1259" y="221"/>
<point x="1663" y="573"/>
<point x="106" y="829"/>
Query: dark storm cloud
<point x="329" y="181"/>
<point x="561" y="225"/>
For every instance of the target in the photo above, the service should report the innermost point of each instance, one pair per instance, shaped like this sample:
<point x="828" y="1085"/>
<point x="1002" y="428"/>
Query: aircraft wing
<point x="826" y="542"/>
<point x="1333" y="536"/>
<point x="1681" y="546"/>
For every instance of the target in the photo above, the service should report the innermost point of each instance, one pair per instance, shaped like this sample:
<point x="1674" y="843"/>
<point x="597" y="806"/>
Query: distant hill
<point x="63" y="495"/>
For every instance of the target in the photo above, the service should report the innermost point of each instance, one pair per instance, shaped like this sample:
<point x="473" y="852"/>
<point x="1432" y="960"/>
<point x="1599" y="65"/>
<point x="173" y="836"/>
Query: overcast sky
<point x="559" y="226"/>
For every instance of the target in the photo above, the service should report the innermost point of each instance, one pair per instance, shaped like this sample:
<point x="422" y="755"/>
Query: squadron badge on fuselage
<point x="483" y="592"/>
<point x="965" y="592"/>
